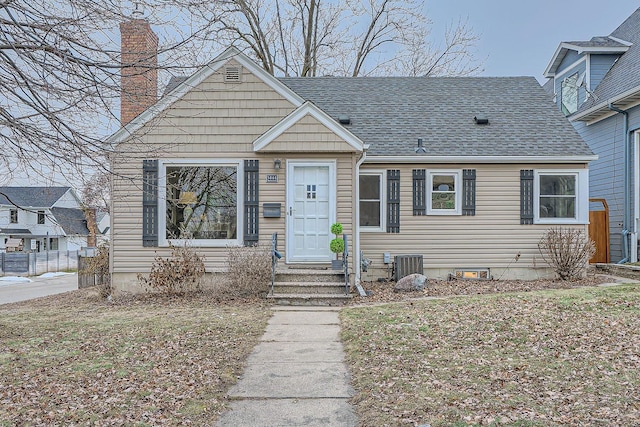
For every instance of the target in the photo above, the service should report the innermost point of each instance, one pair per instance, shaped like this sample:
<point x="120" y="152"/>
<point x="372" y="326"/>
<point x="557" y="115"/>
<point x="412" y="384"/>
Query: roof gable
<point x="40" y="197"/>
<point x="182" y="86"/>
<point x="597" y="45"/>
<point x="307" y="109"/>
<point x="620" y="86"/>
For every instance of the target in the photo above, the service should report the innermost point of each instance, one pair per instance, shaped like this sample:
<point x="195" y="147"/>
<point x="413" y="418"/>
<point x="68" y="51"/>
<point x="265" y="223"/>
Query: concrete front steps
<point x="309" y="286"/>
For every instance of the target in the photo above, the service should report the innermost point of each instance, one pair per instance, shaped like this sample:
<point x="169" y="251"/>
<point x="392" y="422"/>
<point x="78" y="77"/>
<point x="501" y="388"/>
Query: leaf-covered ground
<point x="563" y="357"/>
<point x="72" y="359"/>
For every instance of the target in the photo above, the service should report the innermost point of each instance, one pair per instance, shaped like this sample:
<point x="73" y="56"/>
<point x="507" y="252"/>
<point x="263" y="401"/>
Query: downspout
<point x="627" y="186"/>
<point x="356" y="226"/>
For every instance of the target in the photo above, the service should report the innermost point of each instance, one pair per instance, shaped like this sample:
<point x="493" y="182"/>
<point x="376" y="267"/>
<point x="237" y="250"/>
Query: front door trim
<point x="289" y="234"/>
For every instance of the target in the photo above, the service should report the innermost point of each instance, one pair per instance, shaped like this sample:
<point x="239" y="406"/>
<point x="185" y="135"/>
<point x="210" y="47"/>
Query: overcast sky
<point x="518" y="38"/>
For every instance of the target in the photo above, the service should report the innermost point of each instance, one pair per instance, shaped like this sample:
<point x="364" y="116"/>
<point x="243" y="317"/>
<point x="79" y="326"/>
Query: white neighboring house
<point x="37" y="219"/>
<point x="103" y="222"/>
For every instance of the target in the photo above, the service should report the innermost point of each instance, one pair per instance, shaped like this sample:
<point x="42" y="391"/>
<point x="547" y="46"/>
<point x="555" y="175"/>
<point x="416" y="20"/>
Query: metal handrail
<point x="345" y="263"/>
<point x="275" y="256"/>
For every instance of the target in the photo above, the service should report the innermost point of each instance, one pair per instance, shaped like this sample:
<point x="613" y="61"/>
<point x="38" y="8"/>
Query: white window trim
<point x="457" y="174"/>
<point x="582" y="196"/>
<point x="383" y="201"/>
<point x="162" y="204"/>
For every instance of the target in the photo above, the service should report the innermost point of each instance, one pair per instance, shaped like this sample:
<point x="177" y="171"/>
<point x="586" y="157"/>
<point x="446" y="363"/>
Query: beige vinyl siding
<point x="276" y="193"/>
<point x="308" y="129"/>
<point x="491" y="238"/>
<point x="216" y="121"/>
<point x="129" y="255"/>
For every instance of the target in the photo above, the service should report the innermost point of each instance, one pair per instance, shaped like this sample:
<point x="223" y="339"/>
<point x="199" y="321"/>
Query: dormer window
<point x="569" y="95"/>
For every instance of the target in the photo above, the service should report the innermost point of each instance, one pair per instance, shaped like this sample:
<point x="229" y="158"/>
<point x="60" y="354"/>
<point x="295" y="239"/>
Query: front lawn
<point x="563" y="357"/>
<point x="73" y="359"/>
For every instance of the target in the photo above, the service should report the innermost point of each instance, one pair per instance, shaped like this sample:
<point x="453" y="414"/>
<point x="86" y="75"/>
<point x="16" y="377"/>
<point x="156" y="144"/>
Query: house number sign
<point x="272" y="178"/>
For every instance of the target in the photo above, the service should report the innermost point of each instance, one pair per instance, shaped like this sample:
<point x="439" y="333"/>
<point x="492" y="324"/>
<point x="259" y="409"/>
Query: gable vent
<point x="232" y="74"/>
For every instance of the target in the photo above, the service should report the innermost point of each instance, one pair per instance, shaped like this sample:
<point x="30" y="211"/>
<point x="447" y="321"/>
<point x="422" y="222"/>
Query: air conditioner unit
<point x="408" y="264"/>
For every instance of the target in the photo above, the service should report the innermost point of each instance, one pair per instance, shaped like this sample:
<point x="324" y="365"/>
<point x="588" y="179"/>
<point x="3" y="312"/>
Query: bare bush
<point x="249" y="272"/>
<point x="182" y="272"/>
<point x="567" y="251"/>
<point x="98" y="265"/>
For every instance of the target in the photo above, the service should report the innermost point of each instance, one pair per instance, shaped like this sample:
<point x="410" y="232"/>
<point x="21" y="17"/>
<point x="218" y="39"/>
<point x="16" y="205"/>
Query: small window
<point x="201" y="204"/>
<point x="569" y="95"/>
<point x="443" y="193"/>
<point x="371" y="201"/>
<point x="13" y="216"/>
<point x="40" y="217"/>
<point x="53" y="243"/>
<point x="558" y="197"/>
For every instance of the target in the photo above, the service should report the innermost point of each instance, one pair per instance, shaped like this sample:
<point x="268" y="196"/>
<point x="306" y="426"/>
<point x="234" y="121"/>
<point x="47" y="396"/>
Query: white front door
<point x="310" y="210"/>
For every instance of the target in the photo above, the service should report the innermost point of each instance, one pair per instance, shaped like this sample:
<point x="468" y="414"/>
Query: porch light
<point x="277" y="163"/>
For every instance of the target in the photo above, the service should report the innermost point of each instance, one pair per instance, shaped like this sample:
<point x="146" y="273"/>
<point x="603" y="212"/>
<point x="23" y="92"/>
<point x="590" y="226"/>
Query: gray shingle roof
<point x="41" y="197"/>
<point x="391" y="113"/>
<point x="624" y="75"/>
<point x="72" y="221"/>
<point x="598" y="41"/>
<point x="173" y="83"/>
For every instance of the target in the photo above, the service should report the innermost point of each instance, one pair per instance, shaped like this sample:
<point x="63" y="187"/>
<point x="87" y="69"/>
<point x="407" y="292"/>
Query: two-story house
<point x="38" y="219"/>
<point x="596" y="84"/>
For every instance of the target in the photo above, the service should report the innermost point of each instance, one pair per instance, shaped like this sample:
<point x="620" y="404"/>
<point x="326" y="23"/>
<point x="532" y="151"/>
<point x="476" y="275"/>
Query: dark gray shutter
<point x="419" y="192"/>
<point x="393" y="201"/>
<point x="251" y="202"/>
<point x="526" y="196"/>
<point x="469" y="192"/>
<point x="149" y="203"/>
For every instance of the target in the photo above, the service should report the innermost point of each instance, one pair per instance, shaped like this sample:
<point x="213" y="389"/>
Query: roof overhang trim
<point x="562" y="49"/>
<point x="198" y="77"/>
<point x="480" y="159"/>
<point x="601" y="110"/>
<point x="308" y="108"/>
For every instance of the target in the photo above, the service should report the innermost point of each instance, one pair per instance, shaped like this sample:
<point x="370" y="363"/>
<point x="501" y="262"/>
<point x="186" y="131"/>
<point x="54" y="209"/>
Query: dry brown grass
<point x="75" y="359"/>
<point x="562" y="357"/>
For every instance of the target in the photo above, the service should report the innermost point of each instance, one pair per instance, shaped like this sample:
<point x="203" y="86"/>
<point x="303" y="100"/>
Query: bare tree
<point x="351" y="38"/>
<point x="60" y="72"/>
<point x="60" y="59"/>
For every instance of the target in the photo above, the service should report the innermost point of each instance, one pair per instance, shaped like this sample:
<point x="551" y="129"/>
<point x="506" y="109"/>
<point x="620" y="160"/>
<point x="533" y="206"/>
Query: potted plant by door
<point x="337" y="246"/>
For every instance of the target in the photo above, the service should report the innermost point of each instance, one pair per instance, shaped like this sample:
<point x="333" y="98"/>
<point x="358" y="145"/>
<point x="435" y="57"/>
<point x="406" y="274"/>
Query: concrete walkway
<point x="296" y="375"/>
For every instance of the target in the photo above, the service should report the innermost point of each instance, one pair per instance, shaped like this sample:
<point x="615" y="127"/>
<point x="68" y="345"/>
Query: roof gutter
<point x="480" y="159"/>
<point x="605" y="105"/>
<point x="626" y="244"/>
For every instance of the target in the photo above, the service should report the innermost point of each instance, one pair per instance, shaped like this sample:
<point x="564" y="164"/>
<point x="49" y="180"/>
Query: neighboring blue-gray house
<point x="596" y="84"/>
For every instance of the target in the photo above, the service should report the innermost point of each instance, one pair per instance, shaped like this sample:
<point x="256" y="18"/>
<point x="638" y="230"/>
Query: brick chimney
<point x="139" y="73"/>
